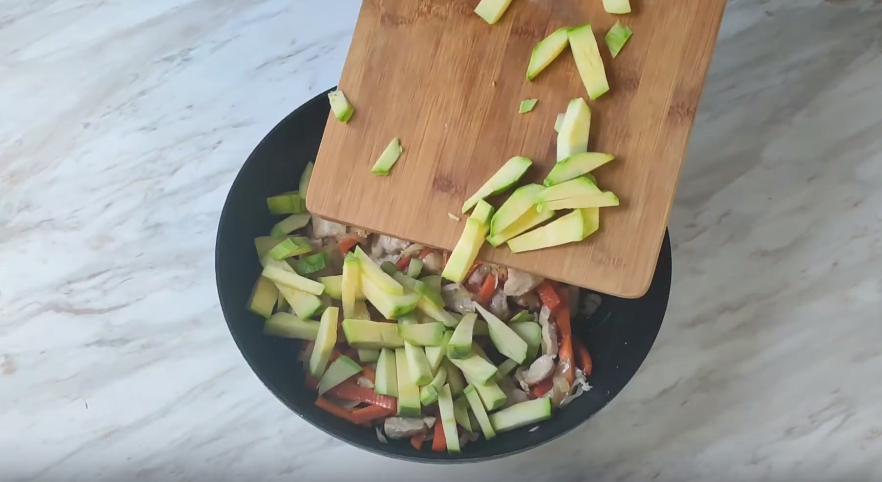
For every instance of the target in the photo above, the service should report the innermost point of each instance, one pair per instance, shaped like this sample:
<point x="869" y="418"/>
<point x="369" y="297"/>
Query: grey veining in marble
<point x="123" y="123"/>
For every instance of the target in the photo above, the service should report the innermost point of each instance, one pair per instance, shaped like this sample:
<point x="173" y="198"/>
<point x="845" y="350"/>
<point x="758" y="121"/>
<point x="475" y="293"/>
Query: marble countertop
<point x="123" y="124"/>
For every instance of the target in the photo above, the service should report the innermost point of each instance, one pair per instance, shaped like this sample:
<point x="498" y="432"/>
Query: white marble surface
<point x="123" y="123"/>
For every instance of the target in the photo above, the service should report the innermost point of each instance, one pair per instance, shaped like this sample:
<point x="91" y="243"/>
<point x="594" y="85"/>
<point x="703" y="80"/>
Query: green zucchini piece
<point x="521" y="201"/>
<point x="522" y="317"/>
<point x="350" y="285"/>
<point x="461" y="412"/>
<point x="432" y="281"/>
<point x="454" y="377"/>
<point x="340" y="370"/>
<point x="388" y="158"/>
<point x="334" y="287"/>
<point x="477" y="406"/>
<point x="569" y="228"/>
<point x="417" y="362"/>
<point x="521" y="414"/>
<point x="311" y="264"/>
<point x="617" y="7"/>
<point x="460" y="344"/>
<point x="389" y="267"/>
<point x="580" y="186"/>
<point x="531" y="333"/>
<point x="288" y="203"/>
<point x="414" y="267"/>
<point x="448" y="419"/>
<point x="386" y="382"/>
<point x="427" y="334"/>
<point x="504" y="178"/>
<point x="600" y="200"/>
<point x="361" y="311"/>
<point x="506" y="341"/>
<point x="527" y="105"/>
<point x="475" y="368"/>
<point x="436" y="354"/>
<point x="368" y="356"/>
<point x="340" y="105"/>
<point x="324" y="342"/>
<point x="527" y="221"/>
<point x="466" y="250"/>
<point x="294" y="280"/>
<point x="492" y="10"/>
<point x="492" y="397"/>
<point x="286" y="325"/>
<point x="575" y="130"/>
<point x="408" y="391"/>
<point x="263" y="298"/>
<point x="391" y="306"/>
<point x="576" y="166"/>
<point x="617" y="37"/>
<point x="290" y="224"/>
<point x="305" y="305"/>
<point x="588" y="61"/>
<point x="505" y="368"/>
<point x="372" y="271"/>
<point x="429" y="393"/>
<point x="287" y="249"/>
<point x="546" y="51"/>
<point x="366" y="334"/>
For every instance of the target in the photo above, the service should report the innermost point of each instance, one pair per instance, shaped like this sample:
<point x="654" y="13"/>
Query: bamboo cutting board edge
<point x="598" y="262"/>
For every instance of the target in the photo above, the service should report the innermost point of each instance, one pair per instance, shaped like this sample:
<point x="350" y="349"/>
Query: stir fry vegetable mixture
<point x="392" y="345"/>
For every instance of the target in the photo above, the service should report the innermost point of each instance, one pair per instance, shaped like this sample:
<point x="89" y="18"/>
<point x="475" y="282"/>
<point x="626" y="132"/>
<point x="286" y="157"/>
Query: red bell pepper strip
<point x="350" y="390"/>
<point x="565" y="331"/>
<point x="583" y="358"/>
<point x="548" y="295"/>
<point x="439" y="443"/>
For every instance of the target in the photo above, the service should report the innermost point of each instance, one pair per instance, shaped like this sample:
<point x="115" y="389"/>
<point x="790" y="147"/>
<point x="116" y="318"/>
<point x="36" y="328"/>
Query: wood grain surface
<point x="448" y="84"/>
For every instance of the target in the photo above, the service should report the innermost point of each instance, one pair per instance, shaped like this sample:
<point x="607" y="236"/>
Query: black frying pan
<point x="619" y="335"/>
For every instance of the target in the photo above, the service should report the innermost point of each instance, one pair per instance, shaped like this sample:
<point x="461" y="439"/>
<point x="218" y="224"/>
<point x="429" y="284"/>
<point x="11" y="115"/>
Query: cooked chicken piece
<point x="499" y="306"/>
<point x="549" y="332"/>
<point x="387" y="245"/>
<point x="540" y="369"/>
<point x="433" y="263"/>
<point x="364" y="382"/>
<point x="430" y="421"/>
<point x="477" y="278"/>
<point x="326" y="229"/>
<point x="412" y="250"/>
<point x="467" y="437"/>
<point x="529" y="301"/>
<point x="400" y="427"/>
<point x="520" y="282"/>
<point x="457" y="298"/>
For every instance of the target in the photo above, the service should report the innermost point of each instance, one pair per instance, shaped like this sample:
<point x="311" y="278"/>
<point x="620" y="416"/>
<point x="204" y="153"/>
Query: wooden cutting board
<point x="446" y="83"/>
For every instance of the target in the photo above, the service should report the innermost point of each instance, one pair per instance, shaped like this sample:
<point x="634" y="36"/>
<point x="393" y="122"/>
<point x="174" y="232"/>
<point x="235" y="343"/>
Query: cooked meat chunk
<point x="549" y="332"/>
<point x="499" y="306"/>
<point x="520" y="283"/>
<point x="433" y="263"/>
<point x="457" y="298"/>
<point x="401" y="427"/>
<point x="540" y="369"/>
<point x="326" y="229"/>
